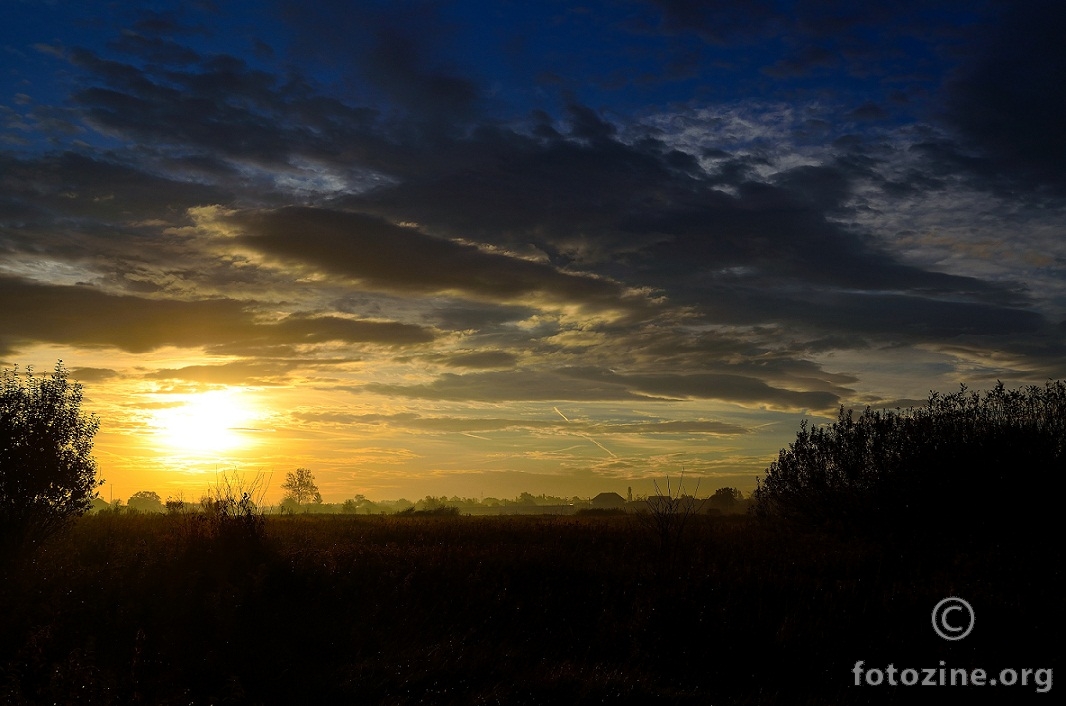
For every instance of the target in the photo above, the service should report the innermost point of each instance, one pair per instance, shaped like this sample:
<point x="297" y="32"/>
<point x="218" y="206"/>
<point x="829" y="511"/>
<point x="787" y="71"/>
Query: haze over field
<point x="467" y="248"/>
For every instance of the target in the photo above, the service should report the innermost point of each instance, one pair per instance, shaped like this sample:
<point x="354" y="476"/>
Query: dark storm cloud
<point x="220" y="107"/>
<point x="299" y="328"/>
<point x="401" y="49"/>
<point x="764" y="253"/>
<point x="383" y="255"/>
<point x="629" y="211"/>
<point x="69" y="185"/>
<point x="580" y="208"/>
<point x="895" y="316"/>
<point x="469" y="316"/>
<point x="633" y="209"/>
<point x="89" y="317"/>
<point x="396" y="64"/>
<point x="1007" y="99"/>
<point x="746" y="355"/>
<point x="567" y="194"/>
<point x="73" y="315"/>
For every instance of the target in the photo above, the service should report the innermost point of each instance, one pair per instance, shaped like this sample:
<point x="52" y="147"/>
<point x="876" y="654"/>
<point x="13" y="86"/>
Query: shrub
<point x="668" y="514"/>
<point x="233" y="507"/>
<point x="945" y="468"/>
<point x="47" y="473"/>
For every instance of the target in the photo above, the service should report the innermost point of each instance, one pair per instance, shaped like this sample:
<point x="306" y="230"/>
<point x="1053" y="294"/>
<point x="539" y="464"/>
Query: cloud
<point x="405" y="51"/>
<point x="93" y="375"/>
<point x="235" y="373"/>
<point x="587" y="196"/>
<point x="461" y="425"/>
<point x="678" y="427"/>
<point x="726" y="387"/>
<point x="1005" y="99"/>
<point x="304" y="329"/>
<point x="77" y="186"/>
<point x="720" y="243"/>
<point x="84" y="316"/>
<point x="240" y="372"/>
<point x="898" y="316"/>
<point x="254" y="128"/>
<point x="720" y="212"/>
<point x="482" y="359"/>
<point x="587" y="384"/>
<point x="382" y="255"/>
<point x="508" y="386"/>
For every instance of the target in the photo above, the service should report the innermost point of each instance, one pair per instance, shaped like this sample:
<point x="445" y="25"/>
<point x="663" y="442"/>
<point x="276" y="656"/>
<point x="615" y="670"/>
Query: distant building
<point x="608" y="501"/>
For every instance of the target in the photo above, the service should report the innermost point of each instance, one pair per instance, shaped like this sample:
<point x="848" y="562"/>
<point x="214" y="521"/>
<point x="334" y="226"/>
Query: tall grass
<point x="461" y="610"/>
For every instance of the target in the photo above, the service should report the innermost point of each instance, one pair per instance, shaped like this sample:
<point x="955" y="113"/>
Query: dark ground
<point x="128" y="609"/>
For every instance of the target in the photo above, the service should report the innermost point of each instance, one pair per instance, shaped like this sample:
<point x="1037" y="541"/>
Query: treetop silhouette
<point x="47" y="473"/>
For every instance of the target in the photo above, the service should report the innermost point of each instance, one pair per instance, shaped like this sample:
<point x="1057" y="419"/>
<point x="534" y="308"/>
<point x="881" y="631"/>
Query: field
<point x="183" y="609"/>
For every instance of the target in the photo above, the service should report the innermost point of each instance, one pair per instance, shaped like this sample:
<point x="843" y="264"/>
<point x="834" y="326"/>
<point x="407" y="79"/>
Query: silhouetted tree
<point x="667" y="515"/>
<point x="939" y="470"/>
<point x="725" y="498"/>
<point x="300" y="487"/>
<point x="47" y="473"/>
<point x="146" y="501"/>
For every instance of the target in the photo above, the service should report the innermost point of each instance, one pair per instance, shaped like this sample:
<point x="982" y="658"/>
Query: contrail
<point x="475" y="436"/>
<point x="586" y="436"/>
<point x="600" y="445"/>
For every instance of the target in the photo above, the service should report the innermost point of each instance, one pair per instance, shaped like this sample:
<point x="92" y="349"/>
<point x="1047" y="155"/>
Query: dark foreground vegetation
<point x="859" y="529"/>
<point x="966" y="466"/>
<point x="238" y="609"/>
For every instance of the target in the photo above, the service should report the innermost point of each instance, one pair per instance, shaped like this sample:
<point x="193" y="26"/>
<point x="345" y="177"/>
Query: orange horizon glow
<point x="175" y="438"/>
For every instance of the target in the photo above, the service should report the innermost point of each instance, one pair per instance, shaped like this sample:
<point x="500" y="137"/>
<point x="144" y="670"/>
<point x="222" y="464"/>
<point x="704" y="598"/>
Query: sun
<point x="206" y="422"/>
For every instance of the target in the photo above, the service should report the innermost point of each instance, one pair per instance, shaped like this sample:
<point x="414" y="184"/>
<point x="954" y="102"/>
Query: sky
<point x="481" y="248"/>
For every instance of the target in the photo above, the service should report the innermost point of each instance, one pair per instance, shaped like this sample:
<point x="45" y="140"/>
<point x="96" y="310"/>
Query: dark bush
<point x="964" y="465"/>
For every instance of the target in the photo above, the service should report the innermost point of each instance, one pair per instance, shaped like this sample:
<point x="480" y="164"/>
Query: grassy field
<point x="156" y="609"/>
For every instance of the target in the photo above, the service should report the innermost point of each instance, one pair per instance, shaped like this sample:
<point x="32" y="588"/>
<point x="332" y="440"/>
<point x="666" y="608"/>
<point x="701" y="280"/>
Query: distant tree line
<point x="722" y="501"/>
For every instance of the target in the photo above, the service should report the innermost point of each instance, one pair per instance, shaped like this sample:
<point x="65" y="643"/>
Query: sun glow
<point x="207" y="422"/>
